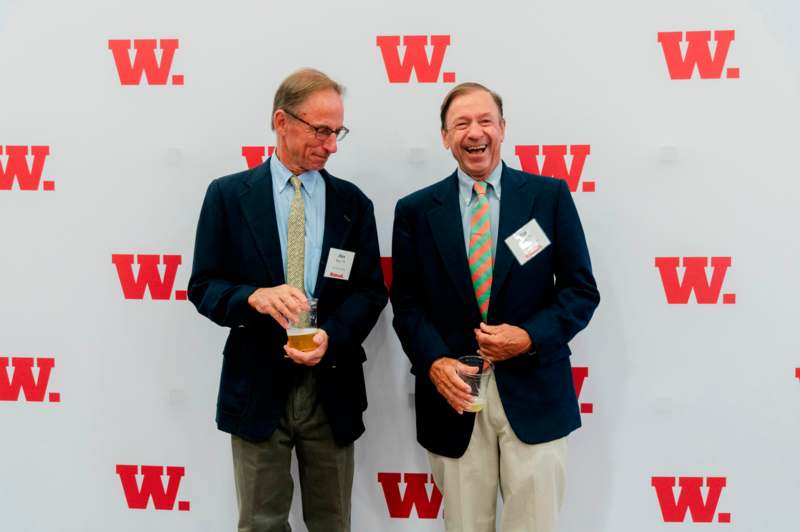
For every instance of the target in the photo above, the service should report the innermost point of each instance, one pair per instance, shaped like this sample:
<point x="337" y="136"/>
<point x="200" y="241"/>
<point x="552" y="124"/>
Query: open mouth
<point x="476" y="149"/>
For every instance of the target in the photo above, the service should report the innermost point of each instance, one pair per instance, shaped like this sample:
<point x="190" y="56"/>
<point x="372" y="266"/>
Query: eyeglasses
<point x="321" y="132"/>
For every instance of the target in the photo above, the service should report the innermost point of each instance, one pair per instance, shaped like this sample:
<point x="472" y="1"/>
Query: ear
<point x="502" y="129"/>
<point x="279" y="121"/>
<point x="444" y="140"/>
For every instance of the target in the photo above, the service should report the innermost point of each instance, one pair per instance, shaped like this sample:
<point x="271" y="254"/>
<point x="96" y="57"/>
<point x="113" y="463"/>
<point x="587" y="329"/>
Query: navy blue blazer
<point x="552" y="297"/>
<point x="237" y="250"/>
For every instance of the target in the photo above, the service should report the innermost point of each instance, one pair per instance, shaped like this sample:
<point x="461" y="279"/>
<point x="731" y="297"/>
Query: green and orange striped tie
<point x="480" y="248"/>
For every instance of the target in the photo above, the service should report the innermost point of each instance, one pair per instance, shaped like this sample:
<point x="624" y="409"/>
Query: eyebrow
<point x="479" y="117"/>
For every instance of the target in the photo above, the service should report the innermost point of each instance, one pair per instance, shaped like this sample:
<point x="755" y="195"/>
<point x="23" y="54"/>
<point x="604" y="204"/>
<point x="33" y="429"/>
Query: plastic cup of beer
<point x="301" y="332"/>
<point x="477" y="379"/>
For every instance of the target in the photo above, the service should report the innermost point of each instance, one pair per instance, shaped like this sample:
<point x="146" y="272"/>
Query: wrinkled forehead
<point x="324" y="108"/>
<point x="476" y="103"/>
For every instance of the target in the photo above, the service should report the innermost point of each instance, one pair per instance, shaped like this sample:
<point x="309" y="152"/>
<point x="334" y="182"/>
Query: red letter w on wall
<point x="17" y="168"/>
<point x="23" y="379"/>
<point x="415" y="496"/>
<point x="694" y="279"/>
<point x="698" y="52"/>
<point x="555" y="163"/>
<point x="152" y="487"/>
<point x="416" y="58"/>
<point x="690" y="498"/>
<point x="149" y="276"/>
<point x="254" y="155"/>
<point x="144" y="61"/>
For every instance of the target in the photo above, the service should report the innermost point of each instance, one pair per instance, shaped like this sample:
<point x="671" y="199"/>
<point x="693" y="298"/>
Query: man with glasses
<point x="493" y="261"/>
<point x="269" y="239"/>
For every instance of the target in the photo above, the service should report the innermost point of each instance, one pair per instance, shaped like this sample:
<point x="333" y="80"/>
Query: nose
<point x="475" y="130"/>
<point x="330" y="143"/>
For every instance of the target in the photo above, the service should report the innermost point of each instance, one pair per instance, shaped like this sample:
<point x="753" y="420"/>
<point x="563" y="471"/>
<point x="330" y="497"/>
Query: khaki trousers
<point x="530" y="477"/>
<point x="262" y="470"/>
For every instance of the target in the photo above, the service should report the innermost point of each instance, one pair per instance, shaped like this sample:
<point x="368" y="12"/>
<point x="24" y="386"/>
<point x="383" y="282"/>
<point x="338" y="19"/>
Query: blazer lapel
<point x="338" y="222"/>
<point x="448" y="232"/>
<point x="258" y="208"/>
<point x="516" y="207"/>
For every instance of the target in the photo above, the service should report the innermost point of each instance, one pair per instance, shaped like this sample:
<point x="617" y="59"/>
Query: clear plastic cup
<point x="477" y="379"/>
<point x="301" y="333"/>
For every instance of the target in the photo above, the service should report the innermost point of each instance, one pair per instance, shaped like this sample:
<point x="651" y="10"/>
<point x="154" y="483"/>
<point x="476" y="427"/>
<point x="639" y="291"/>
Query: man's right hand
<point x="444" y="375"/>
<point x="284" y="303"/>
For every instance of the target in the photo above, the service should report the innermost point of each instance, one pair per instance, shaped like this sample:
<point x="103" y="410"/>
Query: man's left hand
<point x="309" y="358"/>
<point x="501" y="342"/>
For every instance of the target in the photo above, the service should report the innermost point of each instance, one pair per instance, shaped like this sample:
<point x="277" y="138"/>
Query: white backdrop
<point x="681" y="168"/>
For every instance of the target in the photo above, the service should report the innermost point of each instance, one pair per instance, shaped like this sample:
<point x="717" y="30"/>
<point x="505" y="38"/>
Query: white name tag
<point x="527" y="242"/>
<point x="339" y="264"/>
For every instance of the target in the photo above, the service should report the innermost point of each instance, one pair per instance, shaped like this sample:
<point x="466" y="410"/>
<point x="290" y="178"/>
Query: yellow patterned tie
<point x="295" y="264"/>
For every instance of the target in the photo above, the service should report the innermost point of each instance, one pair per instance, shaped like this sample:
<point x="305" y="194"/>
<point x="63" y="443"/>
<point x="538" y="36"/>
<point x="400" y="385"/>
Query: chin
<point x="482" y="171"/>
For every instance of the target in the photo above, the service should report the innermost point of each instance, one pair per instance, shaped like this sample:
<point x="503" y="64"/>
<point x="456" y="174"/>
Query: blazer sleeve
<point x="421" y="342"/>
<point x="576" y="294"/>
<point x="210" y="290"/>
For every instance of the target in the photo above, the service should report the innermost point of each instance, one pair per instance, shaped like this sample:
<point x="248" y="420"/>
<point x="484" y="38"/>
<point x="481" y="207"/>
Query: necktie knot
<point x="480" y="188"/>
<point x="296" y="183"/>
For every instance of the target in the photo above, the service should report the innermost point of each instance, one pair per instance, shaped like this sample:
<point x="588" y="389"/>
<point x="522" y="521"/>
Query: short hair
<point x="466" y="88"/>
<point x="298" y="86"/>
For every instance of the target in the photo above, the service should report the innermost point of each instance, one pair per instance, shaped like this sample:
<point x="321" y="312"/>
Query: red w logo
<point x="579" y="375"/>
<point x="144" y="61"/>
<point x="694" y="279"/>
<point x="152" y="487"/>
<point x="133" y="287"/>
<point x="18" y="169"/>
<point x="555" y="163"/>
<point x="416" y="58"/>
<point x="698" y="52"/>
<point x="23" y="379"/>
<point x="415" y="496"/>
<point x="386" y="266"/>
<point x="690" y="498"/>
<point x="254" y="155"/>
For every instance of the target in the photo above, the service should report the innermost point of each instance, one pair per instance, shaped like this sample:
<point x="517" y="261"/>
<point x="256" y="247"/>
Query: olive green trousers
<point x="262" y="471"/>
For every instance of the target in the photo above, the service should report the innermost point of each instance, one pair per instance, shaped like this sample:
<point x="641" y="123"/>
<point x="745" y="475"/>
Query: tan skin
<point x="300" y="151"/>
<point x="474" y="133"/>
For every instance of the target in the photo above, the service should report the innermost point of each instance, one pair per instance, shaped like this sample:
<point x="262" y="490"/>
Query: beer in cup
<point x="301" y="332"/>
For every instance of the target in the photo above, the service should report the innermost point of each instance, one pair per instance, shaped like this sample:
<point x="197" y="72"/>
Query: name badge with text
<point x="527" y="241"/>
<point x="339" y="264"/>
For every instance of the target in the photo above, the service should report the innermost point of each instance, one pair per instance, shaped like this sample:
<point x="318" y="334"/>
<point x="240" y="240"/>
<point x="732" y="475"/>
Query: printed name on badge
<point x="339" y="264"/>
<point x="527" y="242"/>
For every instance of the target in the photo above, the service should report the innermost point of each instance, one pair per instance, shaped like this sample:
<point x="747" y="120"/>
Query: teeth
<point x="476" y="148"/>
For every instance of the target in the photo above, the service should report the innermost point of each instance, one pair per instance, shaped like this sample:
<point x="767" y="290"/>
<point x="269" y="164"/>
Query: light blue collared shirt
<point x="466" y="200"/>
<point x="313" y="191"/>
